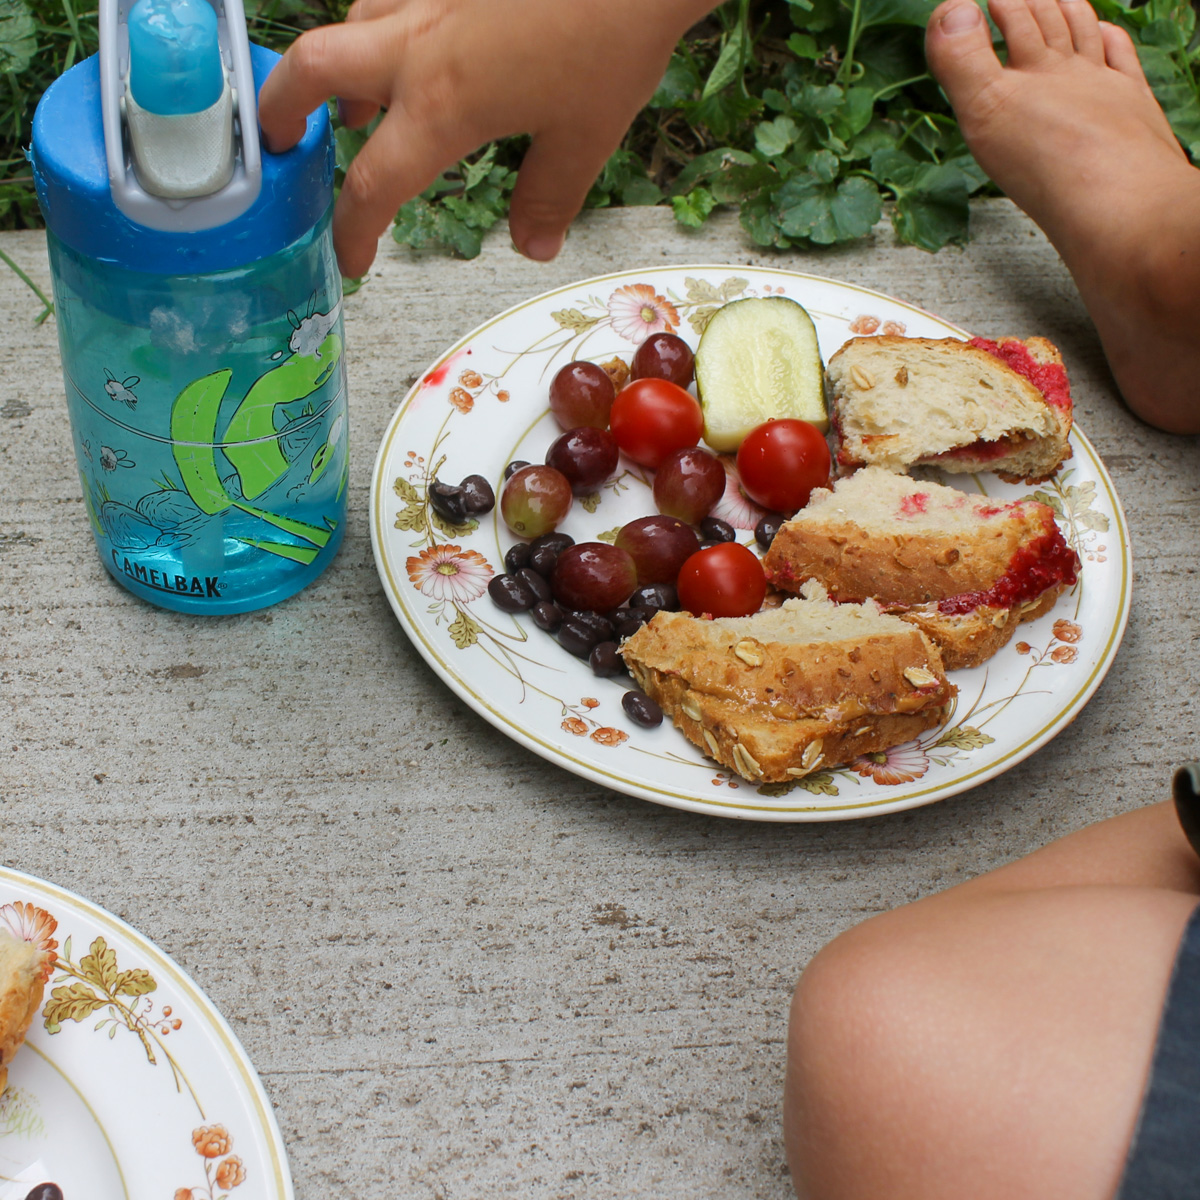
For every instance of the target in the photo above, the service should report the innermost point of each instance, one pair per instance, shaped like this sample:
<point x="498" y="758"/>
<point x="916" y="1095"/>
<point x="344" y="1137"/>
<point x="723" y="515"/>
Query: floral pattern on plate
<point x="484" y="404"/>
<point x="98" y="1099"/>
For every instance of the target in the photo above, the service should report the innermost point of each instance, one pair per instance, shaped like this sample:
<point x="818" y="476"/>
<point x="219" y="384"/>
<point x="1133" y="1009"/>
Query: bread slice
<point x="22" y="985"/>
<point x="900" y="402"/>
<point x="780" y="694"/>
<point x="965" y="569"/>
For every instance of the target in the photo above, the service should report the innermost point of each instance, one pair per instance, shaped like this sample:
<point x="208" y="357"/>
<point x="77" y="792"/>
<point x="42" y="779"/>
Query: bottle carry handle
<point x="202" y="212"/>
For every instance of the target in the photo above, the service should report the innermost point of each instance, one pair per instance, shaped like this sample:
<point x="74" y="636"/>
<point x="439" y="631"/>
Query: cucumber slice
<point x="758" y="359"/>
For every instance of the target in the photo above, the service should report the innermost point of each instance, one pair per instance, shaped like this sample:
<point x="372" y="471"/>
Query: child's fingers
<point x="558" y="170"/>
<point x="352" y="61"/>
<point x="401" y="159"/>
<point x="355" y="114"/>
<point x="367" y="10"/>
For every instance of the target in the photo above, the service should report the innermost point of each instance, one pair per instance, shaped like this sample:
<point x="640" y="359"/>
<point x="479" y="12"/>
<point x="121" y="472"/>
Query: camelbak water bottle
<point x="199" y="311"/>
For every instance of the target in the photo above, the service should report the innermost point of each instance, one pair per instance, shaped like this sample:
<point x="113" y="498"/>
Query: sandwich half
<point x="900" y="402"/>
<point x="792" y="689"/>
<point x="965" y="569"/>
<point x="22" y="984"/>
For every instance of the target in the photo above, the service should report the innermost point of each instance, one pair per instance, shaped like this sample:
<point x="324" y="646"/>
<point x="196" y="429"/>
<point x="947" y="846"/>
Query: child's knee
<point x="846" y="1019"/>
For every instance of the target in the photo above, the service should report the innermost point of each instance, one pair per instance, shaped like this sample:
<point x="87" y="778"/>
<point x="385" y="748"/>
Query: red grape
<point x="688" y="484"/>
<point x="581" y="394"/>
<point x="586" y="456"/>
<point x="664" y="356"/>
<point x="659" y="546"/>
<point x="534" y="500"/>
<point x="593" y="575"/>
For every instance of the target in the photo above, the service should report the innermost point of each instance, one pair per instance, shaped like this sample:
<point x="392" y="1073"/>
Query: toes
<point x="1084" y="25"/>
<point x="1022" y="31"/>
<point x="1119" y="52"/>
<point x="958" y="46"/>
<point x="1053" y="24"/>
<point x="1120" y="55"/>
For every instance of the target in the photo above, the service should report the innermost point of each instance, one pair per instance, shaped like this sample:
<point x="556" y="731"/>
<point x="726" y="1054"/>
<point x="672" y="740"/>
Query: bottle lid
<point x="93" y="201"/>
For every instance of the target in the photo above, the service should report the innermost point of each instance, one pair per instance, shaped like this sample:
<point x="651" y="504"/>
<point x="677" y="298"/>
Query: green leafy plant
<point x="812" y="118"/>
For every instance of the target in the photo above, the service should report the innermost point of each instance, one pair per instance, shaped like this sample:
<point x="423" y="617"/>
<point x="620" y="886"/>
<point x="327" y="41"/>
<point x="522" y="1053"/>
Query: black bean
<point x="544" y="551"/>
<point x="767" y="528"/>
<point x="45" y="1191"/>
<point x="641" y="710"/>
<point x="600" y="625"/>
<point x="517" y="557"/>
<point x="478" y="495"/>
<point x="546" y="615"/>
<point x="713" y="529"/>
<point x="655" y="595"/>
<point x="535" y="583"/>
<point x="577" y="637"/>
<point x="632" y="619"/>
<point x="448" y="502"/>
<point x="510" y="594"/>
<point x="605" y="661"/>
<point x="559" y="541"/>
<point x="513" y="467"/>
<point x="626" y="627"/>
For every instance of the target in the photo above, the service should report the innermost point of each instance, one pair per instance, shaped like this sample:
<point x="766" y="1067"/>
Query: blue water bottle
<point x="199" y="310"/>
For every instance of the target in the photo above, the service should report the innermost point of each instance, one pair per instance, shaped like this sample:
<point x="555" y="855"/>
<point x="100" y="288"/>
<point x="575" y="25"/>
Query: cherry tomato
<point x="652" y="418"/>
<point x="780" y="462"/>
<point x="725" y="580"/>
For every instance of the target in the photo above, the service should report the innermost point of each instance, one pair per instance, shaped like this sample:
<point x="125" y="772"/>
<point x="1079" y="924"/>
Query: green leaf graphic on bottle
<point x="253" y="444"/>
<point x="193" y="430"/>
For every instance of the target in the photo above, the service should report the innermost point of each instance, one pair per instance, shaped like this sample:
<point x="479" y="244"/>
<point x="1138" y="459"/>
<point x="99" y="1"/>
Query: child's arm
<point x="454" y="74"/>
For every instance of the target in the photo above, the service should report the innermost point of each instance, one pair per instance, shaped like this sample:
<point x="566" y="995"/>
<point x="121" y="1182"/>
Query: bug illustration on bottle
<point x="111" y="459"/>
<point x="122" y="390"/>
<point x="309" y="332"/>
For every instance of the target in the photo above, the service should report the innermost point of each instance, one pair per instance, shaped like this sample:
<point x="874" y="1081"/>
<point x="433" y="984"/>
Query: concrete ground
<point x="460" y="970"/>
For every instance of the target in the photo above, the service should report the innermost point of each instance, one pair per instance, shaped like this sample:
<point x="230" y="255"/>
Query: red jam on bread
<point x="1043" y="563"/>
<point x="1049" y="378"/>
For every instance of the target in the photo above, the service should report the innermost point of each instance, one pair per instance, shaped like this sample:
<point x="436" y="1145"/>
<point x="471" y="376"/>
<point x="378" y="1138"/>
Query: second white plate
<point x="130" y="1084"/>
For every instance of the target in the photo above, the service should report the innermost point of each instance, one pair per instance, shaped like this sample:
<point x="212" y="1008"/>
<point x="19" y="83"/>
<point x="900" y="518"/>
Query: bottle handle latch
<point x="130" y="193"/>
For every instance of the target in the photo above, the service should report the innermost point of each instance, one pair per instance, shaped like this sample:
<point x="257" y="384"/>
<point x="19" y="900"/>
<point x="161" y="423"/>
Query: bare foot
<point x="1071" y="131"/>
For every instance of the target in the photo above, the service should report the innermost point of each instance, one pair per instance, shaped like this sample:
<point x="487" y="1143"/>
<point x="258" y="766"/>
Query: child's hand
<point x="454" y="74"/>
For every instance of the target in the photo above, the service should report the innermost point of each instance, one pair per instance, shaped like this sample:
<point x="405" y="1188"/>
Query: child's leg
<point x="1145" y="848"/>
<point x="992" y="1041"/>
<point x="1070" y="130"/>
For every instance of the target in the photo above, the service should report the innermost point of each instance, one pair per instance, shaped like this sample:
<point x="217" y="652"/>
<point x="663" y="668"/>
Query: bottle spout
<point x="175" y="66"/>
<point x="179" y="111"/>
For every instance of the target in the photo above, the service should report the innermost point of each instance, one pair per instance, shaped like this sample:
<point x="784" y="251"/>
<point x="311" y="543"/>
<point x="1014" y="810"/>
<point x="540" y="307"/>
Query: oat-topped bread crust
<point x="787" y="691"/>
<point x="912" y="545"/>
<point x="900" y="402"/>
<point x="21" y="990"/>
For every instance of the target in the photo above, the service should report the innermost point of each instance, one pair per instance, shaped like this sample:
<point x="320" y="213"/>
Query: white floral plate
<point x="130" y="1085"/>
<point x="484" y="404"/>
